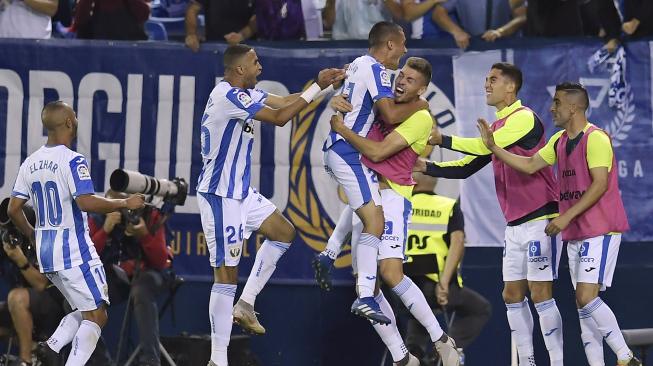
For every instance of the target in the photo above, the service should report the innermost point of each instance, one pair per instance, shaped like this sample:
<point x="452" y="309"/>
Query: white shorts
<point x="84" y="286"/>
<point x="530" y="254"/>
<point x="227" y="222"/>
<point x="360" y="183"/>
<point x="397" y="212"/>
<point x="593" y="260"/>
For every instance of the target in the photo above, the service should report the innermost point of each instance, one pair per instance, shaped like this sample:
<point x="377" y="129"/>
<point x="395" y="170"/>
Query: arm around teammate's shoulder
<point x="395" y="113"/>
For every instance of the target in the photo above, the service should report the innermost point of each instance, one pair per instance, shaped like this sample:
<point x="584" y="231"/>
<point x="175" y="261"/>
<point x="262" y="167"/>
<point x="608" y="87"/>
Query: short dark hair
<point x="234" y="53"/>
<point x="512" y="72"/>
<point x="575" y="88"/>
<point x="52" y="107"/>
<point x="422" y="66"/>
<point x="381" y="31"/>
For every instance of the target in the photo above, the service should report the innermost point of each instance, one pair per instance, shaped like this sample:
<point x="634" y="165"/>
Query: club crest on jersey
<point x="385" y="78"/>
<point x="83" y="173"/>
<point x="244" y="99"/>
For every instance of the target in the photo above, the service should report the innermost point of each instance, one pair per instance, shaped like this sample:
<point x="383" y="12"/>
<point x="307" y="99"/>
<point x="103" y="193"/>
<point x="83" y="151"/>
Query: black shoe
<point x="47" y="355"/>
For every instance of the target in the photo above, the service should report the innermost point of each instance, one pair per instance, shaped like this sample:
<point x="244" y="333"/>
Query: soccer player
<point x="58" y="182"/>
<point x="369" y="89"/>
<point x="230" y="209"/>
<point x="391" y="152"/>
<point x="531" y="258"/>
<point x="592" y="215"/>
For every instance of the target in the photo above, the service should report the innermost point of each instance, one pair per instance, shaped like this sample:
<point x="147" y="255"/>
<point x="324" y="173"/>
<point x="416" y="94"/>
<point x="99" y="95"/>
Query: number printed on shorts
<point x="100" y="274"/>
<point x="231" y="234"/>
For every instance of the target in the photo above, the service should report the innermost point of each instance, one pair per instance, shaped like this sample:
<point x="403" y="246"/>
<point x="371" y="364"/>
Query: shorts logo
<point x="584" y="249"/>
<point x="385" y="78"/>
<point x="534" y="249"/>
<point x="244" y="99"/>
<point x="388" y="228"/>
<point x="83" y="173"/>
<point x="234" y="252"/>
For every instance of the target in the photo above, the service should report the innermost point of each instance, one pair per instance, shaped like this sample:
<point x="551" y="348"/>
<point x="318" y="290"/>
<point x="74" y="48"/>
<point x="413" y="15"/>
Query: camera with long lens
<point x="9" y="233"/>
<point x="172" y="191"/>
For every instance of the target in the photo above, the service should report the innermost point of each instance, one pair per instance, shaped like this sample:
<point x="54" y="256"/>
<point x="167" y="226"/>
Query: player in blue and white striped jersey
<point x="58" y="182"/>
<point x="230" y="209"/>
<point x="368" y="87"/>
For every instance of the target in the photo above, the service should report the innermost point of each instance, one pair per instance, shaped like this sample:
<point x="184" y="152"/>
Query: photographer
<point x="134" y="250"/>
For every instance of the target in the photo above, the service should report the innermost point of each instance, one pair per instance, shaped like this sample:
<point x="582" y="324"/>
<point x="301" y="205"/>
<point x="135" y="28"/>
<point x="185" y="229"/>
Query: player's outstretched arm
<point x="395" y="113"/>
<point x="376" y="151"/>
<point x="528" y="165"/>
<point x="97" y="204"/>
<point x="281" y="116"/>
<point x="17" y="216"/>
<point x="454" y="169"/>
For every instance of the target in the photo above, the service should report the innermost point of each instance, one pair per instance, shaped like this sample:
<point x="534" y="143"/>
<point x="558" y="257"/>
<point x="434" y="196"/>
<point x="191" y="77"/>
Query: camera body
<point x="172" y="191"/>
<point x="10" y="234"/>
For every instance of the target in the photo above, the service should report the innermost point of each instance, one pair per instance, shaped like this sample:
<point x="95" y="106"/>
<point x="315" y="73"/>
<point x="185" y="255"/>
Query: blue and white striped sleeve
<point x="380" y="83"/>
<point x="258" y="95"/>
<point x="79" y="180"/>
<point x="244" y="107"/>
<point x="21" y="189"/>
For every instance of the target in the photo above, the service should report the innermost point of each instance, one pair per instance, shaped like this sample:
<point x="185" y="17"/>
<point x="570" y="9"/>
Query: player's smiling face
<point x="560" y="109"/>
<point x="496" y="87"/>
<point x="408" y="85"/>
<point x="397" y="49"/>
<point x="251" y="69"/>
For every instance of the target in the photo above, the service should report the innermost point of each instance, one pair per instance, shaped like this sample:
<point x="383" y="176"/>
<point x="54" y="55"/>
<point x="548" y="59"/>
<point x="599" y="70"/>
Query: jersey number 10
<point x="47" y="197"/>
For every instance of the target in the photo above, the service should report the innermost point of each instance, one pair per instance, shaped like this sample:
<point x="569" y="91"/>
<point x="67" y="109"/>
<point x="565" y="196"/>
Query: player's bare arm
<point x="93" y="203"/>
<point x="282" y="115"/>
<point x="528" y="165"/>
<point x="376" y="151"/>
<point x="598" y="187"/>
<point x="395" y="113"/>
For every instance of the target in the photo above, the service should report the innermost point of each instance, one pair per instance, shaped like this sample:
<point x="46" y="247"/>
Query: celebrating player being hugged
<point x="230" y="209"/>
<point x="58" y="182"/>
<point x="592" y="215"/>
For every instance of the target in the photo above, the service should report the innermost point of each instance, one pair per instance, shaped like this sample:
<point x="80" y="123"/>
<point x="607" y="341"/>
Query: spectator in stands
<point x="111" y="19"/>
<point x="280" y="20"/>
<point x="26" y="18"/>
<point x="601" y="19"/>
<point x="230" y="20"/>
<point x="554" y="18"/>
<point x="420" y="14"/>
<point x="137" y="251"/>
<point x="489" y="19"/>
<point x="638" y="16"/>
<point x="353" y="19"/>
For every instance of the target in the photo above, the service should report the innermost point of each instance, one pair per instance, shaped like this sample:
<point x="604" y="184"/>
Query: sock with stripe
<point x="367" y="252"/>
<point x="592" y="339"/>
<point x="608" y="326"/>
<point x="390" y="333"/>
<point x="84" y="343"/>
<point x="221" y="305"/>
<point x="340" y="233"/>
<point x="551" y="325"/>
<point x="520" y="320"/>
<point x="264" y="265"/>
<point x="65" y="332"/>
<point x="416" y="303"/>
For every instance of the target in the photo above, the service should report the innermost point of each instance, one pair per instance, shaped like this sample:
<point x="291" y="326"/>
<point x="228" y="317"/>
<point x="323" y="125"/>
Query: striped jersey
<point x="366" y="82"/>
<point x="227" y="138"/>
<point x="52" y="177"/>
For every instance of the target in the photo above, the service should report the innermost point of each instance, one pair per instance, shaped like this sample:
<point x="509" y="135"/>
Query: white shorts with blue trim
<point x="84" y="286"/>
<point x="227" y="222"/>
<point x="397" y="212"/>
<point x="360" y="183"/>
<point x="594" y="260"/>
<point x="530" y="254"/>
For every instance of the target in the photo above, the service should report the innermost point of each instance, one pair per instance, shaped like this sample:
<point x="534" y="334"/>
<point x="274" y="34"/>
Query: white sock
<point x="592" y="339"/>
<point x="608" y="326"/>
<point x="390" y="333"/>
<point x="367" y="252"/>
<point x="520" y="320"/>
<point x="66" y="330"/>
<point x="343" y="228"/>
<point x="84" y="343"/>
<point x="551" y="324"/>
<point x="221" y="304"/>
<point x="415" y="302"/>
<point x="264" y="265"/>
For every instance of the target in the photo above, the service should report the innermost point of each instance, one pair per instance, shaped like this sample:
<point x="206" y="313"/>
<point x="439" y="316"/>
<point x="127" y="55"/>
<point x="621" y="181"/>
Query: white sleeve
<point x="21" y="188"/>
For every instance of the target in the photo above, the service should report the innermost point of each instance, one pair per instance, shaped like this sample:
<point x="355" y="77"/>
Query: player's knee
<point x="288" y="233"/>
<point x="512" y="295"/>
<point x="584" y="298"/>
<point x="391" y="276"/>
<point x="541" y="292"/>
<point x="372" y="218"/>
<point x="98" y="316"/>
<point x="18" y="298"/>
